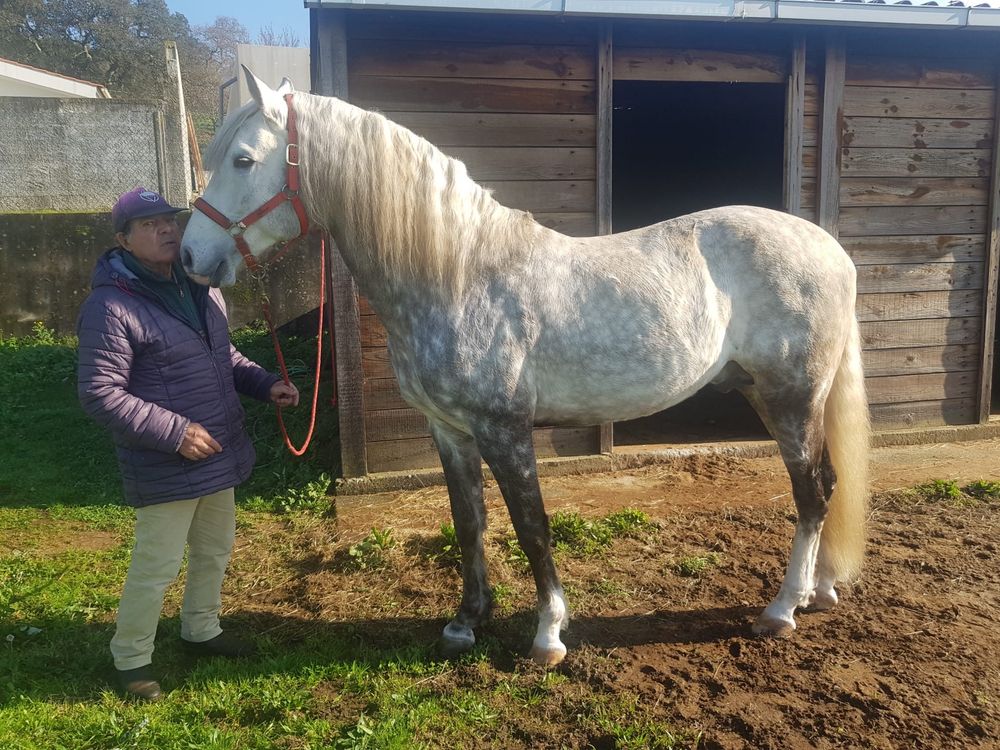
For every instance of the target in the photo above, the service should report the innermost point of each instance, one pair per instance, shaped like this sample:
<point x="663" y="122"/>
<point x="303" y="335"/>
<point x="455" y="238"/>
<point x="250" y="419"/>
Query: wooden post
<point x="992" y="256"/>
<point x="605" y="87"/>
<point x="199" y="169"/>
<point x="828" y="178"/>
<point x="328" y="32"/>
<point x="794" y="126"/>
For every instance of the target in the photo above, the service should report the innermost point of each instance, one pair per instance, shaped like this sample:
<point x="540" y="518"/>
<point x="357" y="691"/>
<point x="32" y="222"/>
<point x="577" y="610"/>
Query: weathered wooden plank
<point x="546" y="196"/>
<point x="919" y="277"/>
<point x="499" y="129"/>
<point x="903" y="162"/>
<point x="918" y="306"/>
<point x="575" y="225"/>
<point x="924" y="414"/>
<point x="373" y="333"/>
<point x="470" y="94"/>
<point x="812" y="102"/>
<point x="428" y="58"/>
<point x="417" y="453"/>
<point x="810" y="157"/>
<point x="957" y="74"/>
<point x="990" y="288"/>
<point x="921" y="360"/>
<point x="375" y="363"/>
<point x="605" y="119"/>
<point x="794" y="127"/>
<point x="941" y="248"/>
<point x="331" y="80"/>
<point x="487" y="164"/>
<point x="659" y="64"/>
<point x="395" y="424"/>
<point x="902" y="334"/>
<point x="890" y="101"/>
<point x="936" y="386"/>
<point x="901" y="132"/>
<point x="897" y="220"/>
<point x="383" y="393"/>
<point x="914" y="191"/>
<point x="467" y="28"/>
<point x="829" y="164"/>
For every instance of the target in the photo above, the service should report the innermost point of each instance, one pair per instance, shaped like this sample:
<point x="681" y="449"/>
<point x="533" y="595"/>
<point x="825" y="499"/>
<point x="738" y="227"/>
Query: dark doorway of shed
<point x="683" y="147"/>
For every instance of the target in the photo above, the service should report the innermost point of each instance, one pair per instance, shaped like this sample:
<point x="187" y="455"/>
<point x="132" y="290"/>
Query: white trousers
<point x="207" y="525"/>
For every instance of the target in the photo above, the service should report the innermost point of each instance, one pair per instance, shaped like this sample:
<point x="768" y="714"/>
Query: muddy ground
<point x="910" y="658"/>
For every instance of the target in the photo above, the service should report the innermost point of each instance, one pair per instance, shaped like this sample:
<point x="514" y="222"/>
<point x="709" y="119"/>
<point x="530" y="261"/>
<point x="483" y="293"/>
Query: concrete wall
<point x="48" y="259"/>
<point x="77" y="154"/>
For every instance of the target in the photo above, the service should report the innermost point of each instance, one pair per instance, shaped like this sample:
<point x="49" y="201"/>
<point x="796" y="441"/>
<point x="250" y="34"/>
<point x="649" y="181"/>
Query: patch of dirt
<point x="60" y="536"/>
<point x="909" y="659"/>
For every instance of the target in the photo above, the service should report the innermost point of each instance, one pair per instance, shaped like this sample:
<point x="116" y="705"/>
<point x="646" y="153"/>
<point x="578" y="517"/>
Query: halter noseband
<point x="290" y="192"/>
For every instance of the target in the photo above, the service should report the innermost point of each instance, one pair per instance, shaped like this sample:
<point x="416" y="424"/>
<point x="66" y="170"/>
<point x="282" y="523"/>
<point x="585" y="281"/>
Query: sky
<point x="254" y="14"/>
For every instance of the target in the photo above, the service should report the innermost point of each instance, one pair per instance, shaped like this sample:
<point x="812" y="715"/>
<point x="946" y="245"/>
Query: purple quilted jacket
<point x="146" y="374"/>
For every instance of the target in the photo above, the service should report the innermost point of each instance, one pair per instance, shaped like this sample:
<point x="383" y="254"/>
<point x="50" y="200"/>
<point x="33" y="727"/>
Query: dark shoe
<point x="140" y="683"/>
<point x="223" y="644"/>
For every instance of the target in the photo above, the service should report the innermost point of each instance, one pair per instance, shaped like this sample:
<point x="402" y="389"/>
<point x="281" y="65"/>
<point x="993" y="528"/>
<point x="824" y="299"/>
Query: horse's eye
<point x="242" y="162"/>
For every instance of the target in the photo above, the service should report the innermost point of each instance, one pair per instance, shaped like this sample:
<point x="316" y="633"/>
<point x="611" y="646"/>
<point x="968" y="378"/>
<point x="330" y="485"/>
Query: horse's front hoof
<point x="456" y="640"/>
<point x="548" y="656"/>
<point x="772" y="627"/>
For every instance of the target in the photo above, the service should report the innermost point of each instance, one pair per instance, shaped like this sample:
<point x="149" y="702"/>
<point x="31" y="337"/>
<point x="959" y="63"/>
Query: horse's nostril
<point x="186" y="258"/>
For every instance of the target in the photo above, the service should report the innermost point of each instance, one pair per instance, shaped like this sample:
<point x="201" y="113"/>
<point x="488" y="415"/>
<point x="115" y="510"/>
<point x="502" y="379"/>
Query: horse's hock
<point x="859" y="128"/>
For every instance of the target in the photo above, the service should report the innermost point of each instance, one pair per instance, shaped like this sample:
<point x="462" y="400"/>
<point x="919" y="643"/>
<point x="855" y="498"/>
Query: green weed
<point x="370" y="552"/>
<point x="445" y="547"/>
<point x="696" y="565"/>
<point x="939" y="490"/>
<point x="983" y="489"/>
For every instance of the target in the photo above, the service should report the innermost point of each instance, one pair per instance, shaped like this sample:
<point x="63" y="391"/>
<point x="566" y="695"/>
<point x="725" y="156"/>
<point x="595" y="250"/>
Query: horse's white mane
<point x="412" y="209"/>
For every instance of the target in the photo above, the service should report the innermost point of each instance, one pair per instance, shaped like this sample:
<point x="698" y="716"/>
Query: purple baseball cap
<point x="138" y="203"/>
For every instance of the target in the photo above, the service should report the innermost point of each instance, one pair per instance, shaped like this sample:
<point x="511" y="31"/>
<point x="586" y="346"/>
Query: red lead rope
<point x="266" y="307"/>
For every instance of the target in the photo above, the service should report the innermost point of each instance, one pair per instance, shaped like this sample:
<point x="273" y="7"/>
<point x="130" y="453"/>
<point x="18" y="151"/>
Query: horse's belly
<point x="587" y="392"/>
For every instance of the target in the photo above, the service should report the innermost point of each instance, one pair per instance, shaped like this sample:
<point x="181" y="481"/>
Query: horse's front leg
<point x="464" y="475"/>
<point x="510" y="454"/>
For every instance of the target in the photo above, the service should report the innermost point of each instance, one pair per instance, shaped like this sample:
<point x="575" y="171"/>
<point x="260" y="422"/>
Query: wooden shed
<point x="876" y="121"/>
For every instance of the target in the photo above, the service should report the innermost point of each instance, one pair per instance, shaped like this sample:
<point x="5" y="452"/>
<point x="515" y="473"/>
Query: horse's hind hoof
<point x="456" y="641"/>
<point x="548" y="657"/>
<point x="772" y="627"/>
<point x="823" y="600"/>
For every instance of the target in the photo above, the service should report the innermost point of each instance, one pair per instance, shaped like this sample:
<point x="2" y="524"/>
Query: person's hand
<point x="284" y="394"/>
<point x="197" y="443"/>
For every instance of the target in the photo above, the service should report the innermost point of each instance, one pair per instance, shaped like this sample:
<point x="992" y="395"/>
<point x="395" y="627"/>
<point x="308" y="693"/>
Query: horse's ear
<point x="269" y="100"/>
<point x="285" y="87"/>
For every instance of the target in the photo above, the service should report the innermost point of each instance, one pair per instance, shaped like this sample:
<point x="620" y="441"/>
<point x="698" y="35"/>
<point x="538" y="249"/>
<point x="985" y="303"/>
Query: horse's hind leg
<point x="511" y="456"/>
<point x="464" y="475"/>
<point x="797" y="426"/>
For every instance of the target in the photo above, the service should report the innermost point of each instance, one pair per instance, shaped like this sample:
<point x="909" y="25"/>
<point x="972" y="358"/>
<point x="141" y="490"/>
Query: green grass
<point x="694" y="566"/>
<point x="949" y="491"/>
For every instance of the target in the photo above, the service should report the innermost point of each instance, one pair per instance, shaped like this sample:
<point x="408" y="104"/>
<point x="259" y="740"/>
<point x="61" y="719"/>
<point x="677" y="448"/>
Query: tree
<point x="117" y="43"/>
<point x="284" y="38"/>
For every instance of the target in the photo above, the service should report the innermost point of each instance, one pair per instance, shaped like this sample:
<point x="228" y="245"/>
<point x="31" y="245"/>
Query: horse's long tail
<point x="848" y="432"/>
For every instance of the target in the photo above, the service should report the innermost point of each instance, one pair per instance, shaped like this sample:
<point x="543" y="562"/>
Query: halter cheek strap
<point x="289" y="193"/>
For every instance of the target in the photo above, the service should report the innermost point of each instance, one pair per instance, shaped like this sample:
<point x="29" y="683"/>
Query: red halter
<point x="290" y="192"/>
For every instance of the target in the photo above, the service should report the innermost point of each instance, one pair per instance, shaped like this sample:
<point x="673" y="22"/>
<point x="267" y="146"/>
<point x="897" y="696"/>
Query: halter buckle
<point x="288" y="155"/>
<point x="237" y="228"/>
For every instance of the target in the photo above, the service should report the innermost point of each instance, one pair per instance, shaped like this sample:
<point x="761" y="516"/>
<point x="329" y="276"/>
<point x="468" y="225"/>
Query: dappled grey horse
<point x="497" y="324"/>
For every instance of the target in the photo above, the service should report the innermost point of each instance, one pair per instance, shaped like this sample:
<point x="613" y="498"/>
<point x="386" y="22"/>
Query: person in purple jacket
<point x="157" y="369"/>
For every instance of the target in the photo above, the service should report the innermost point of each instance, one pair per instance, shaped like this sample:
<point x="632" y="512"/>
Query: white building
<point x="18" y="79"/>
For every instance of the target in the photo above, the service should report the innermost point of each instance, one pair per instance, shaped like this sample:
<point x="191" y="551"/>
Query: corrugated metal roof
<point x="981" y="14"/>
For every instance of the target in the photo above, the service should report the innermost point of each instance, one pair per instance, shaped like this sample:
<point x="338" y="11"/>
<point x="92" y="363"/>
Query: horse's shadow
<point x="290" y="643"/>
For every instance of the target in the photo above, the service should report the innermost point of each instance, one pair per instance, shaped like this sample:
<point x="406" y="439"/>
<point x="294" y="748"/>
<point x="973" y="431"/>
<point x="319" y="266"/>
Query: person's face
<point x="153" y="240"/>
